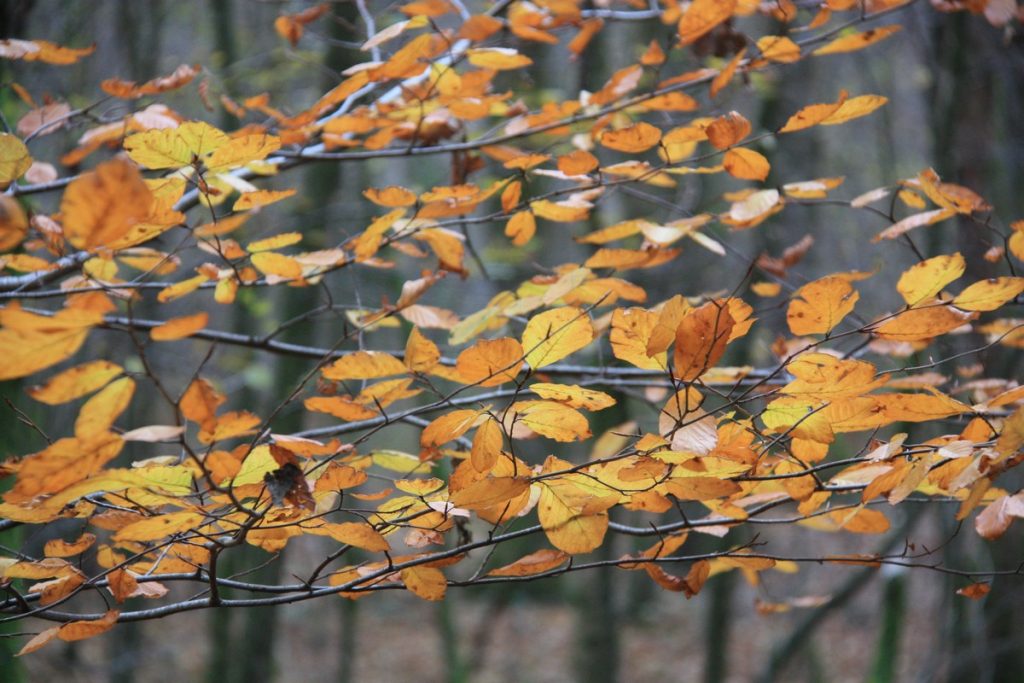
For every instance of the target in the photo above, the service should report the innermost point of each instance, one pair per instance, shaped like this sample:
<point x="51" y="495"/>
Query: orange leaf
<point x="702" y="16"/>
<point x="727" y="130"/>
<point x="746" y="164"/>
<point x="857" y="41"/>
<point x="490" y="363"/>
<point x="103" y="205"/>
<point x="179" y="328"/>
<point x="537" y="562"/>
<point x="819" y="306"/>
<point x="636" y="138"/>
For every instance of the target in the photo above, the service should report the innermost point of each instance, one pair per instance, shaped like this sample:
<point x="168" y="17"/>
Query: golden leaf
<point x="923" y="281"/>
<point x="639" y="137"/>
<point x="857" y="41"/>
<point x="489" y="363"/>
<point x="179" y="328"/>
<point x="746" y="164"/>
<point x="75" y="382"/>
<point x="701" y="17"/>
<point x="103" y="205"/>
<point x="817" y="307"/>
<point x="14" y="159"/>
<point x="552" y="335"/>
<point x="537" y="562"/>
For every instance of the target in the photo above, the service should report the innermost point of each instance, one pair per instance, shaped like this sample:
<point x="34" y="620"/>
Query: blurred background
<point x="956" y="101"/>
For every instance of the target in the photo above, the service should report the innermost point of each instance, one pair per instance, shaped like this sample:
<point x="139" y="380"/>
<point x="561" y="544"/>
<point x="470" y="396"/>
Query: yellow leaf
<point x="260" y="198"/>
<point x="701" y="17"/>
<point x="487" y="444"/>
<point x="560" y="212"/>
<point x="449" y="426"/>
<point x="392" y="196"/>
<point x="857" y="41"/>
<point x="100" y="411"/>
<point x="158" y="527"/>
<point x="490" y="362"/>
<point x="1012" y="436"/>
<point x="489" y="492"/>
<point x="825" y="377"/>
<point x="639" y="137"/>
<point x="631" y="331"/>
<point x="364" y="365"/>
<point x="724" y="76"/>
<point x="425" y="582"/>
<point x="819" y="306"/>
<point x="573" y="396"/>
<point x="497" y="58"/>
<point x="778" y="49"/>
<point x="988" y="295"/>
<point x="664" y="331"/>
<point x="421" y="354"/>
<point x="181" y="288"/>
<point x="174" y="147"/>
<point x="567" y="527"/>
<point x="76" y="382"/>
<point x="277" y="265"/>
<point x="179" y="328"/>
<point x="368" y="242"/>
<point x="284" y="239"/>
<point x="30" y="342"/>
<point x="746" y="164"/>
<point x="358" y="534"/>
<point x="103" y="205"/>
<point x="547" y="418"/>
<point x="553" y="335"/>
<point x="861" y="520"/>
<point x="854" y="108"/>
<point x="14" y="159"/>
<point x="924" y="280"/>
<point x="922" y="324"/>
<point x="341" y="407"/>
<point x="766" y="289"/>
<point x="242" y="150"/>
<point x="229" y="426"/>
<point x="521" y="227"/>
<point x="13" y="223"/>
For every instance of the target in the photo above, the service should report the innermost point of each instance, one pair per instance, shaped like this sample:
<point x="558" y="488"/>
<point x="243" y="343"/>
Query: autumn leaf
<point x="555" y="334"/>
<point x="923" y="281"/>
<point x="30" y="342"/>
<point x="856" y="41"/>
<point x="42" y="51"/>
<point x="817" y="307"/>
<point x="14" y="159"/>
<point x="537" y="562"/>
<point x="490" y="363"/>
<point x="639" y="137"/>
<point x="746" y="164"/>
<point x="102" y="206"/>
<point x="701" y="17"/>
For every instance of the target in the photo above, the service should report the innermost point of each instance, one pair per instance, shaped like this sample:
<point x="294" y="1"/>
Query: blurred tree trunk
<point x="225" y="51"/>
<point x="972" y="123"/>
